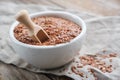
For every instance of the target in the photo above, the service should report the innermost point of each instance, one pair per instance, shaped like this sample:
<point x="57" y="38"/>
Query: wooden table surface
<point x="97" y="7"/>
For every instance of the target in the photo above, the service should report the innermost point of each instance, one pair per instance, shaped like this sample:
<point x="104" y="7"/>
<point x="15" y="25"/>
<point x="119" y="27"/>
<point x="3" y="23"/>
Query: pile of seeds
<point x="94" y="61"/>
<point x="59" y="30"/>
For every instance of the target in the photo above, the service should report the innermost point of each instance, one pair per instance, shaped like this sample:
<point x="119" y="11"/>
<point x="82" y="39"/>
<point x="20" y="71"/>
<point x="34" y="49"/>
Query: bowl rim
<point x="83" y="26"/>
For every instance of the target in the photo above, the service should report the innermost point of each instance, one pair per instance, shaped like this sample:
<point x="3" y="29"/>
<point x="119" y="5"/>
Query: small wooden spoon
<point x="35" y="31"/>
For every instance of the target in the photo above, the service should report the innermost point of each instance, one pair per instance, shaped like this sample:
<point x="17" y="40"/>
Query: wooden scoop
<point x="35" y="31"/>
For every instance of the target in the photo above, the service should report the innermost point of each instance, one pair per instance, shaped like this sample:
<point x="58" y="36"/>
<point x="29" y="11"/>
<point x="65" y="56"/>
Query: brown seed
<point x="110" y="60"/>
<point x="81" y="74"/>
<point x="113" y="55"/>
<point x="79" y="66"/>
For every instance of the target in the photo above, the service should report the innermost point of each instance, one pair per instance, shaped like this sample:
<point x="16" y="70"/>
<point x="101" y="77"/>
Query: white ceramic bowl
<point x="46" y="57"/>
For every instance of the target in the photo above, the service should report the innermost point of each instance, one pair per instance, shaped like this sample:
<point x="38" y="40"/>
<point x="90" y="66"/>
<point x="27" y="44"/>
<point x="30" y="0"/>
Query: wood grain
<point x="11" y="72"/>
<point x="98" y="7"/>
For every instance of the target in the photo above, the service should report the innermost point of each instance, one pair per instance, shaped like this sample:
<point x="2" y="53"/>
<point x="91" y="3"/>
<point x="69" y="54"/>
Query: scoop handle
<point x="23" y="17"/>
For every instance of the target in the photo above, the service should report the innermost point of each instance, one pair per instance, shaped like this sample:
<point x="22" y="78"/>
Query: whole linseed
<point x="60" y="30"/>
<point x="94" y="62"/>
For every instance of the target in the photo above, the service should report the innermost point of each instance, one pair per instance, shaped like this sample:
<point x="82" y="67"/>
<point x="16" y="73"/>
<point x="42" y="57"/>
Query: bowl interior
<point x="61" y="14"/>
